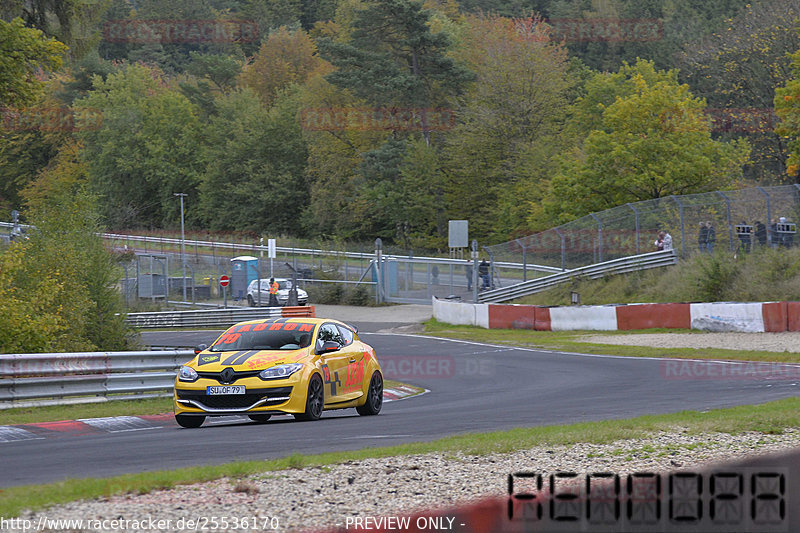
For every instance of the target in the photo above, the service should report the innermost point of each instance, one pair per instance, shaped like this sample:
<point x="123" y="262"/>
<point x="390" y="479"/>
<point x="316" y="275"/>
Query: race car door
<point x="354" y="376"/>
<point x="334" y="364"/>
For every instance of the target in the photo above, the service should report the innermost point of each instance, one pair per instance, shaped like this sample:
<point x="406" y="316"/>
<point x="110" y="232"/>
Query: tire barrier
<point x="754" y="317"/>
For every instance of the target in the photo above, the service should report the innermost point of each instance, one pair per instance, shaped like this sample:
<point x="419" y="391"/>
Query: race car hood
<point x="207" y="361"/>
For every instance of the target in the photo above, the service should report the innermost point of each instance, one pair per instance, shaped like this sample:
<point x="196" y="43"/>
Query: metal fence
<point x="62" y="378"/>
<point x="632" y="229"/>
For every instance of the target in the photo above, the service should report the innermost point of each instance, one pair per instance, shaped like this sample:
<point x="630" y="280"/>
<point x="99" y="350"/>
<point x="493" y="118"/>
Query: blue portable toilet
<point x="244" y="270"/>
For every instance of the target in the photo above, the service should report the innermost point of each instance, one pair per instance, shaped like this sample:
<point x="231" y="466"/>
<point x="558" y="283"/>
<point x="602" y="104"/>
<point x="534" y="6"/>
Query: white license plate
<point x="224" y="389"/>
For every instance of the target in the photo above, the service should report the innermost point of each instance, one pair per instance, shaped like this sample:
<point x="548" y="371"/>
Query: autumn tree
<point x="57" y="289"/>
<point x="23" y="51"/>
<point x="285" y="57"/>
<point x="787" y="107"/>
<point x="653" y="142"/>
<point x="737" y="68"/>
<point x="499" y="156"/>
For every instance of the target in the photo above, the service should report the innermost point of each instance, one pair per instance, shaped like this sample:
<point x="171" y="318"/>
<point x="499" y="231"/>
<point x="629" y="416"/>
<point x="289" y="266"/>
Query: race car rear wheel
<point x="259" y="418"/>
<point x="374" y="396"/>
<point x="315" y="400"/>
<point x="187" y="421"/>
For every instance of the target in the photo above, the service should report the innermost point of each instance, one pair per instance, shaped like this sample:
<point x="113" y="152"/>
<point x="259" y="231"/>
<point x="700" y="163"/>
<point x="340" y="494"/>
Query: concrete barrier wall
<point x="646" y="316"/>
<point x="721" y="316"/>
<point x="461" y="314"/>
<point x="716" y="316"/>
<point x="601" y="318"/>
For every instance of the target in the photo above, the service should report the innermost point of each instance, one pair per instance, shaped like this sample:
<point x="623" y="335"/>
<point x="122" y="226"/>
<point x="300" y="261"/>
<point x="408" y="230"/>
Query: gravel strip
<point x="767" y="342"/>
<point x="302" y="499"/>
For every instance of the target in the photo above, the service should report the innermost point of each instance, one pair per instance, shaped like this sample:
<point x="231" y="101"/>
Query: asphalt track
<point x="473" y="388"/>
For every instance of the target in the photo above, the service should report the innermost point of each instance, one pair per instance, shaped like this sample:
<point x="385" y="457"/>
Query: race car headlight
<point x="187" y="373"/>
<point x="280" y="371"/>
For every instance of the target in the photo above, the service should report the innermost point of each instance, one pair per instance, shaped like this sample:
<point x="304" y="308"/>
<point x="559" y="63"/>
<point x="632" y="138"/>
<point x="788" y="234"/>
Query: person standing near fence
<point x="702" y="237"/>
<point x="712" y="237"/>
<point x="667" y="240"/>
<point x="761" y="233"/>
<point x="774" y="238"/>
<point x="483" y="272"/>
<point x="273" y="293"/>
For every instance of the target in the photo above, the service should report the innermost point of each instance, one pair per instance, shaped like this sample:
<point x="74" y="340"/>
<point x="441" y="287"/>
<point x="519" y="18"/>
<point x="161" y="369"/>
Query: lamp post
<point x="183" y="245"/>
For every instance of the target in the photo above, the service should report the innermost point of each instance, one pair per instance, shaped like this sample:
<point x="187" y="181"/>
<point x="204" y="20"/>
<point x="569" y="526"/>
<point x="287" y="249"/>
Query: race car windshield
<point x="265" y="336"/>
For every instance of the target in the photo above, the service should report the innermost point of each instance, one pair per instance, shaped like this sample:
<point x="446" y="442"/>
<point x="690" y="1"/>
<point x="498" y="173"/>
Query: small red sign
<point x="224" y="281"/>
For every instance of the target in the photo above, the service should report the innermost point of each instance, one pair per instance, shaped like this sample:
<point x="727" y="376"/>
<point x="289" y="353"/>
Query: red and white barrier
<point x="716" y="316"/>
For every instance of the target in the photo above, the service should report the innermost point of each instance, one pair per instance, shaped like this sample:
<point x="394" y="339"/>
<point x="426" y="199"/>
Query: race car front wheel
<point x="374" y="396"/>
<point x="187" y="421"/>
<point x="315" y="400"/>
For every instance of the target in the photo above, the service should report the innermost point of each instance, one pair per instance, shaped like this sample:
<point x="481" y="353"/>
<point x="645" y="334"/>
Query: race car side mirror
<point x="199" y="348"/>
<point x="328" y="347"/>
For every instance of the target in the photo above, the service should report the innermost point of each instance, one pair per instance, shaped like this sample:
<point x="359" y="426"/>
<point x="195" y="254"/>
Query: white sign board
<point x="271" y="248"/>
<point x="458" y="233"/>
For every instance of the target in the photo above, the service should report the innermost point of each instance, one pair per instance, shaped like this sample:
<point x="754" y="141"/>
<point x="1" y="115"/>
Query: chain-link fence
<point x="738" y="221"/>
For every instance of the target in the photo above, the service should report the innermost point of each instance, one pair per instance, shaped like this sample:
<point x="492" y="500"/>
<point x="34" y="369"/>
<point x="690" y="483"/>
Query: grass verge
<point x="771" y="418"/>
<point x="568" y="341"/>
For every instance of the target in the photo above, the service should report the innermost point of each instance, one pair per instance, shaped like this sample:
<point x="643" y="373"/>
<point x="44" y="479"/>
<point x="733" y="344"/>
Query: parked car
<point x="284" y="285"/>
<point x="297" y="366"/>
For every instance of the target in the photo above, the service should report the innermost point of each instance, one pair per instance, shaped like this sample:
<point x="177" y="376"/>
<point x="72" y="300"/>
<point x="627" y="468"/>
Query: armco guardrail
<point x="615" y="266"/>
<point x="62" y="378"/>
<point x="299" y="251"/>
<point x="214" y="318"/>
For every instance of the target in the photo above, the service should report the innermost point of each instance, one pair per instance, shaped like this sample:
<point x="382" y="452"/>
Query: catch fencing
<point x="88" y="377"/>
<point x="632" y="229"/>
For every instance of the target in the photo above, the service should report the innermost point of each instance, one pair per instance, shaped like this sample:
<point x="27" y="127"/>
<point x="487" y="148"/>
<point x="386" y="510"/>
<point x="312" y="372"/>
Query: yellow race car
<point x="300" y="366"/>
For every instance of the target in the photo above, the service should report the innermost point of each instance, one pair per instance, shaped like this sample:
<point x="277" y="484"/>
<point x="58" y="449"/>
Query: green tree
<point x="23" y="51"/>
<point x="57" y="289"/>
<point x="254" y="177"/>
<point x="654" y="142"/>
<point x="787" y="107"/>
<point x="146" y="149"/>
<point x="499" y="157"/>
<point x="737" y="68"/>
<point x="394" y="59"/>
